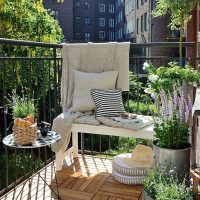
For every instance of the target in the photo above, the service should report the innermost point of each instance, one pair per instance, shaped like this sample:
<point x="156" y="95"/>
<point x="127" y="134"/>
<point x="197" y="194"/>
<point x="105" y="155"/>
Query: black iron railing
<point x="36" y="68"/>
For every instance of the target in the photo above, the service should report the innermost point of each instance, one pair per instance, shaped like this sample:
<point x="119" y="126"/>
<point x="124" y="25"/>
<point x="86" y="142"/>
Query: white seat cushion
<point x="127" y="179"/>
<point x="121" y="167"/>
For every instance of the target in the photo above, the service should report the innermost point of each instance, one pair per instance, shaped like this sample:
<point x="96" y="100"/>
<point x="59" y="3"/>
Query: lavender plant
<point x="172" y="124"/>
<point x="167" y="185"/>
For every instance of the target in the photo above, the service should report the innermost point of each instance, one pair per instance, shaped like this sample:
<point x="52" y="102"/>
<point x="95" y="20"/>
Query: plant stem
<point x="181" y="37"/>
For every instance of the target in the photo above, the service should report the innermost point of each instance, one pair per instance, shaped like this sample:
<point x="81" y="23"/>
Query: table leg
<point x="75" y="143"/>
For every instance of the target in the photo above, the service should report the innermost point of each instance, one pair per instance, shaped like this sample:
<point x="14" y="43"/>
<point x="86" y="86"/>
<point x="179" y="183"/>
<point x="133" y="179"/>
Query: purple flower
<point x="175" y="98"/>
<point x="182" y="107"/>
<point x="164" y="103"/>
<point x="189" y="106"/>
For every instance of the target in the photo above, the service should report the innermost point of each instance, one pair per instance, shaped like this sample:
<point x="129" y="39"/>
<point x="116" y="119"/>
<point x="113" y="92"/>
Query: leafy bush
<point x="140" y="108"/>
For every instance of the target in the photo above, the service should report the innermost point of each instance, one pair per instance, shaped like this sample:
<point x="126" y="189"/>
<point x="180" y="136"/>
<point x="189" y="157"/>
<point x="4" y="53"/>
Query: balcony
<point x="89" y="176"/>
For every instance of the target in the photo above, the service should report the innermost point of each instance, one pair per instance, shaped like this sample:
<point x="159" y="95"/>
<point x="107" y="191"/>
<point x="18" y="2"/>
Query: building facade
<point x="63" y="12"/>
<point x="141" y="26"/>
<point x="85" y="20"/>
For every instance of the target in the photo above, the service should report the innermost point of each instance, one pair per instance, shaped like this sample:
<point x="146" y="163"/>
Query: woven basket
<point x="24" y="136"/>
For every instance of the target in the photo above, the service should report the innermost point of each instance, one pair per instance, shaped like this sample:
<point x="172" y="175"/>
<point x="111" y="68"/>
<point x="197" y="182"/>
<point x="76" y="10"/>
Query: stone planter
<point x="178" y="159"/>
<point x="145" y="196"/>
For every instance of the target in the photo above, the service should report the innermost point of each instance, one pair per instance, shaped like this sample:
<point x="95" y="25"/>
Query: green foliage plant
<point x="165" y="184"/>
<point x="180" y="12"/>
<point x="165" y="77"/>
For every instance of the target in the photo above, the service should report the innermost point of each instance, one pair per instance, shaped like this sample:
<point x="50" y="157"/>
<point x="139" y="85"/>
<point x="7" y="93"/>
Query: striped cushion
<point x="121" y="167"/>
<point x="108" y="102"/>
<point x="131" y="180"/>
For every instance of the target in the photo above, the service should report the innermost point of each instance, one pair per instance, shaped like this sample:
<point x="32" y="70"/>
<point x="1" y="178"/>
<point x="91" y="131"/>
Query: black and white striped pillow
<point x="108" y="102"/>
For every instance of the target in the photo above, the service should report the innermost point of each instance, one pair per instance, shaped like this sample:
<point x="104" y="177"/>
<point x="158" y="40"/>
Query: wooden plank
<point x="65" y="192"/>
<point x="100" y="197"/>
<point x="93" y="183"/>
<point x="125" y="197"/>
<point x="111" y="198"/>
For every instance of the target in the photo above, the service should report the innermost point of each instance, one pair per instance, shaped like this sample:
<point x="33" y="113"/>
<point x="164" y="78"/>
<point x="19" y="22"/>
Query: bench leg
<point x="75" y="143"/>
<point x="59" y="161"/>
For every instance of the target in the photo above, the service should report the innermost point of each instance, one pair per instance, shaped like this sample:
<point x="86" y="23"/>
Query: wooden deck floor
<point x="86" y="177"/>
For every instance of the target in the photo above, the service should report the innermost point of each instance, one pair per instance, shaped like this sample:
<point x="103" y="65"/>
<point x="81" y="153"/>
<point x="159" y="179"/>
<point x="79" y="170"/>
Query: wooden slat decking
<point x="83" y="178"/>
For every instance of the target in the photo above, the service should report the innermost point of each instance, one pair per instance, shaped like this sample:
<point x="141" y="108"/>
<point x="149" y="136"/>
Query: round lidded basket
<point x="24" y="136"/>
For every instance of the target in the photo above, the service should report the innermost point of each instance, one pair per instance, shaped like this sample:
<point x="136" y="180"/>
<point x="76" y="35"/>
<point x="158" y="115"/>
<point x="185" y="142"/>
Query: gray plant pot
<point x="145" y="196"/>
<point x="177" y="159"/>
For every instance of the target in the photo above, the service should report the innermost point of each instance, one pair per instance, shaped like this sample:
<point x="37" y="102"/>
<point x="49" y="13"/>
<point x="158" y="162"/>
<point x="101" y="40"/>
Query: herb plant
<point x="21" y="106"/>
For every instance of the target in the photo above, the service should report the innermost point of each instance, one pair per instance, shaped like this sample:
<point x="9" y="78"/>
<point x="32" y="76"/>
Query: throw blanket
<point x="63" y="123"/>
<point x="96" y="58"/>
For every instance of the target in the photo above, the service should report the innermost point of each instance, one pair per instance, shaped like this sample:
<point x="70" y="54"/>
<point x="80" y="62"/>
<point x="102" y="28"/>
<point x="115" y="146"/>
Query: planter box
<point x="145" y="196"/>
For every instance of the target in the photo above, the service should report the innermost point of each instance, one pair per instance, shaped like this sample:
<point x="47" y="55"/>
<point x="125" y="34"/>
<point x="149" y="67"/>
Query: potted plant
<point x="171" y="145"/>
<point x="166" y="184"/>
<point x="24" y="112"/>
<point x="165" y="77"/>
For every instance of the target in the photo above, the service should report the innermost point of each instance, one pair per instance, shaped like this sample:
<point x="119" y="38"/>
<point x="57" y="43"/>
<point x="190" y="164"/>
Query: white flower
<point x="145" y="65"/>
<point x="147" y="90"/>
<point x="153" y="77"/>
<point x="194" y="84"/>
<point x="153" y="95"/>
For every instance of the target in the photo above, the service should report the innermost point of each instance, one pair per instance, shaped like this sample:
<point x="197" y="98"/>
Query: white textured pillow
<point x="84" y="82"/>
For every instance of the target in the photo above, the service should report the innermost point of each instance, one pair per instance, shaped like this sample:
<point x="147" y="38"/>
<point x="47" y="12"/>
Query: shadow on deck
<point x="85" y="177"/>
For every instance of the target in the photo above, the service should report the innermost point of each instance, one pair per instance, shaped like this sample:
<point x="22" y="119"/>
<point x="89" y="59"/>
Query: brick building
<point x="85" y="20"/>
<point x="64" y="14"/>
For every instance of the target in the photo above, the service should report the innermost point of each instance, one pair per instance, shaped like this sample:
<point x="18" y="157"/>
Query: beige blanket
<point x="63" y="123"/>
<point x="93" y="57"/>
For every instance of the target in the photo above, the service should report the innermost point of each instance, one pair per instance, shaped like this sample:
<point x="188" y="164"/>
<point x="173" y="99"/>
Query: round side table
<point x="51" y="138"/>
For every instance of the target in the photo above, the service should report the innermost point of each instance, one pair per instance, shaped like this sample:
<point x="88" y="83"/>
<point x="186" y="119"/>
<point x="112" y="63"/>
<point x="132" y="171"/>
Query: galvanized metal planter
<point x="177" y="159"/>
<point x="145" y="195"/>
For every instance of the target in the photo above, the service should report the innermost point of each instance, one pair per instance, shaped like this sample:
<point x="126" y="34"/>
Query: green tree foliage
<point x="180" y="12"/>
<point x="28" y="20"/>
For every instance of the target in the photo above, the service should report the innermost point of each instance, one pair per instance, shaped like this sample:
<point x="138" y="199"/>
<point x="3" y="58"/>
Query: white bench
<point x="145" y="133"/>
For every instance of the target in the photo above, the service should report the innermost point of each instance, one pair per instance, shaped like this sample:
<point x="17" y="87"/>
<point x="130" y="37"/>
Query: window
<point x="121" y="16"/>
<point x="101" y="34"/>
<point x="87" y="37"/>
<point x="56" y="14"/>
<point x="102" y="22"/>
<point x="142" y="25"/>
<point x="137" y="25"/>
<point x="142" y="2"/>
<point x="86" y="5"/>
<point x="77" y="19"/>
<point x="111" y="8"/>
<point x="87" y="20"/>
<point x="101" y="7"/>
<point x="137" y="4"/>
<point x="78" y="36"/>
<point x="78" y="4"/>
<point x="111" y="23"/>
<point x="111" y="35"/>
<point x="145" y="22"/>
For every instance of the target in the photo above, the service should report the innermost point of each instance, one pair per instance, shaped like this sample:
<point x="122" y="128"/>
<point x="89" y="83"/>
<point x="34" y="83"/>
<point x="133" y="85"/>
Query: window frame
<point x="102" y="37"/>
<point x="111" y="23"/>
<point x="103" y="20"/>
<point x="103" y="8"/>
<point x="111" y="8"/>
